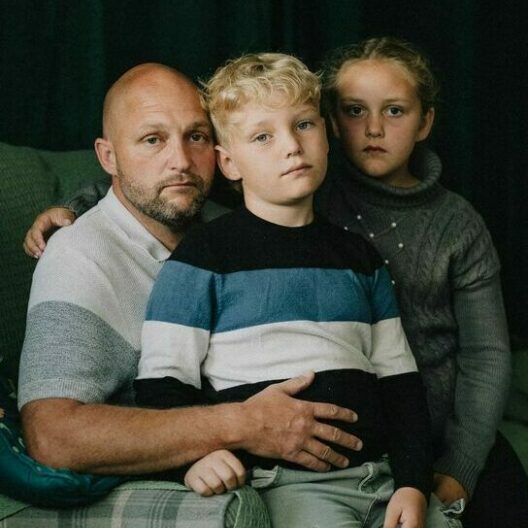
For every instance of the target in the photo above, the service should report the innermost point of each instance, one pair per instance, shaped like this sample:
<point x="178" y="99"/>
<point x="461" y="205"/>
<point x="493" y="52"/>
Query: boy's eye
<point x="261" y="138"/>
<point x="354" y="110"/>
<point x="394" y="111"/>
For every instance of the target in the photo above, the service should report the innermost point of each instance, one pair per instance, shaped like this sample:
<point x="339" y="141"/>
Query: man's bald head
<point x="132" y="83"/>
<point x="158" y="146"/>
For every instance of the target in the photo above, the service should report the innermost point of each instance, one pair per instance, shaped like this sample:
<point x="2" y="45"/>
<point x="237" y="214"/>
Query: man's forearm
<point x="119" y="440"/>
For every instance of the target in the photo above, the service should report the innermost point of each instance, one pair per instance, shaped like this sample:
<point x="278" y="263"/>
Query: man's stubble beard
<point x="167" y="213"/>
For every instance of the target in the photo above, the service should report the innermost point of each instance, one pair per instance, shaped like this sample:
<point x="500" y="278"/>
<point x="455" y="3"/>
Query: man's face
<point x="279" y="154"/>
<point x="163" y="146"/>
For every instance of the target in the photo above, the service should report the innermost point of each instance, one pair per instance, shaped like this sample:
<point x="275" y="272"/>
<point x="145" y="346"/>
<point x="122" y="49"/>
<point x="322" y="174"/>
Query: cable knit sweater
<point x="446" y="275"/>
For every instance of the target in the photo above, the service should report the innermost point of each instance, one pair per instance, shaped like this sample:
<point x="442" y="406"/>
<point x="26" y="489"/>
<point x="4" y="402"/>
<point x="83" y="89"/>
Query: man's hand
<point x="43" y="227"/>
<point x="288" y="428"/>
<point x="448" y="489"/>
<point x="215" y="473"/>
<point x="406" y="508"/>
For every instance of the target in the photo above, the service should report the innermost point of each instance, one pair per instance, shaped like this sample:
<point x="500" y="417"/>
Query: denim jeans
<point x="349" y="498"/>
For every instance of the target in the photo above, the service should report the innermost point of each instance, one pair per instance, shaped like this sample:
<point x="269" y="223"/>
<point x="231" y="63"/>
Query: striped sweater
<point x="242" y="303"/>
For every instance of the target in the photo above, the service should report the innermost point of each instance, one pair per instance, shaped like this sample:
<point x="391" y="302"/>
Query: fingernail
<point x="359" y="445"/>
<point x="37" y="254"/>
<point x="66" y="222"/>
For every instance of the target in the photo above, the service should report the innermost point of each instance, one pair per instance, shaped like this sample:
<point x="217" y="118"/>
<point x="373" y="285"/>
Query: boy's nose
<point x="292" y="145"/>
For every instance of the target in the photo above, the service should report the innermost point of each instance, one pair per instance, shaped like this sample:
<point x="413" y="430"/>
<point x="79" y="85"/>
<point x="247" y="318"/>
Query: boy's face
<point x="279" y="153"/>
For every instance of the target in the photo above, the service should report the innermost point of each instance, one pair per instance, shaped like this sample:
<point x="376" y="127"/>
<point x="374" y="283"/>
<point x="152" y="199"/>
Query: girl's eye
<point x="354" y="110"/>
<point x="394" y="111"/>
<point x="305" y="125"/>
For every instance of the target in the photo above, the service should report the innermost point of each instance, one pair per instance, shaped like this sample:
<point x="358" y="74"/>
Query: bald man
<point x="88" y="300"/>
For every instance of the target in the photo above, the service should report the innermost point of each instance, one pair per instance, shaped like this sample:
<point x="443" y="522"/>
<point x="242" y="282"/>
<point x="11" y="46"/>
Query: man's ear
<point x="106" y="155"/>
<point x="226" y="164"/>
<point x="426" y="125"/>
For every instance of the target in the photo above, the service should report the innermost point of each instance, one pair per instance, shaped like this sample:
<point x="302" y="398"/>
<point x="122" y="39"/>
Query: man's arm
<point x="102" y="438"/>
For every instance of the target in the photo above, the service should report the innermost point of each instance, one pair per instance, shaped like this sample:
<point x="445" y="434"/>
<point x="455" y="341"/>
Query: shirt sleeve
<point x="87" y="197"/>
<point x="402" y="392"/>
<point x="483" y="378"/>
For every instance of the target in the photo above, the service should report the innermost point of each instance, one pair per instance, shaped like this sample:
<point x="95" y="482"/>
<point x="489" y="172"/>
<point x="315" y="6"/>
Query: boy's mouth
<point x="298" y="169"/>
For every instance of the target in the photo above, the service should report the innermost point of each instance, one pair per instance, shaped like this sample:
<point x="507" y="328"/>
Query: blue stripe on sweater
<point x="187" y="295"/>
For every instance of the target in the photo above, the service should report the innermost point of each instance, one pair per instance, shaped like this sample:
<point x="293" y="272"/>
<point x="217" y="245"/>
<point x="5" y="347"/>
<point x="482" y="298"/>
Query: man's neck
<point x="166" y="235"/>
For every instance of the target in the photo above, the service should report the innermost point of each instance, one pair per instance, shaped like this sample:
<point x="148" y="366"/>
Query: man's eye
<point x="394" y="111"/>
<point x="198" y="137"/>
<point x="152" y="140"/>
<point x="354" y="110"/>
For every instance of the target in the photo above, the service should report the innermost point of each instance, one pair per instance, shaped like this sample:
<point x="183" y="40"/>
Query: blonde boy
<point x="270" y="291"/>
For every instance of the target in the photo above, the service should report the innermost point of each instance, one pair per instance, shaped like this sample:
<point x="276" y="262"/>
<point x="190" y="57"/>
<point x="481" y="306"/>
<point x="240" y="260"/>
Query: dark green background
<point x="58" y="57"/>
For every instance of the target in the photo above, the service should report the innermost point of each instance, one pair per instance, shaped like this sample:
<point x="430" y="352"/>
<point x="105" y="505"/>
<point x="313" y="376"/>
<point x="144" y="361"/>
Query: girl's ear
<point x="335" y="128"/>
<point x="426" y="125"/>
<point x="226" y="164"/>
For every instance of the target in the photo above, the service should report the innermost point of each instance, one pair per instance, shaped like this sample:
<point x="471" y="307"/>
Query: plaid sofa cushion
<point x="152" y="504"/>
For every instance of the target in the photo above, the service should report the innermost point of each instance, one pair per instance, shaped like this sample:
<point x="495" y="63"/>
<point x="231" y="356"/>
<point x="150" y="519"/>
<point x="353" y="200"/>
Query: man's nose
<point x="179" y="157"/>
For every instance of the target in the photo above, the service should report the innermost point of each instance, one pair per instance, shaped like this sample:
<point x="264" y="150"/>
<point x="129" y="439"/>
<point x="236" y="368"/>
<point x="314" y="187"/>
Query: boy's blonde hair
<point x="257" y="77"/>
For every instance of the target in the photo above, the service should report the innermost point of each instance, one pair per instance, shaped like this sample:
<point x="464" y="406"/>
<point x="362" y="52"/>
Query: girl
<point x="380" y="97"/>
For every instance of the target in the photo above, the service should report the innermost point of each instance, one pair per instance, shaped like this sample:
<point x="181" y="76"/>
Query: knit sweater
<point x="244" y="302"/>
<point x="446" y="274"/>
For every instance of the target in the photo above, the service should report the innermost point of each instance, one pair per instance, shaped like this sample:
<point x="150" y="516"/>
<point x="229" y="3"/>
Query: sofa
<point x="31" y="180"/>
<point x="32" y="495"/>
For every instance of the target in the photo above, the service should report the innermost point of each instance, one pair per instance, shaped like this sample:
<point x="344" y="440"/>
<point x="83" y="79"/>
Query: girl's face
<point x="379" y="119"/>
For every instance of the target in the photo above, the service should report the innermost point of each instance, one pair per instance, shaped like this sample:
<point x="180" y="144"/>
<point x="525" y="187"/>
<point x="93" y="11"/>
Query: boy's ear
<point x="226" y="164"/>
<point x="426" y="125"/>
<point x="106" y="155"/>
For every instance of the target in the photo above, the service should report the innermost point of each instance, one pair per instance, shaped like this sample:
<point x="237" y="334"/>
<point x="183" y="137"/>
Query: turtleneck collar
<point x="425" y="165"/>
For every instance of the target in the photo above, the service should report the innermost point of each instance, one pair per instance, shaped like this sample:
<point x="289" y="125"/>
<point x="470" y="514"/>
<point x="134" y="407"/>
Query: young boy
<point x="270" y="291"/>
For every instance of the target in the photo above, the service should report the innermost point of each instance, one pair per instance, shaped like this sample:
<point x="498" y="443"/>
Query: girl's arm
<point x="62" y="215"/>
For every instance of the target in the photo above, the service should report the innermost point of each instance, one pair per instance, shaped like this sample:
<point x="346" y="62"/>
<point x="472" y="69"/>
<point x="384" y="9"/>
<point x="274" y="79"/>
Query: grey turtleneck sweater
<point x="446" y="273"/>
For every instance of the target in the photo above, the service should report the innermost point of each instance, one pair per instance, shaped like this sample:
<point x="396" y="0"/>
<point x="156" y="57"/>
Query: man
<point x="88" y="299"/>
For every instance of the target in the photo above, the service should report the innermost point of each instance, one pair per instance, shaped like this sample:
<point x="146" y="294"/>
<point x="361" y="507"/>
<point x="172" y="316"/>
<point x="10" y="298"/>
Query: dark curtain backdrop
<point x="58" y="57"/>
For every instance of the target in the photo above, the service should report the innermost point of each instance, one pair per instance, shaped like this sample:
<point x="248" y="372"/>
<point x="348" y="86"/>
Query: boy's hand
<point x="215" y="473"/>
<point x="406" y="508"/>
<point x="43" y="227"/>
<point x="448" y="489"/>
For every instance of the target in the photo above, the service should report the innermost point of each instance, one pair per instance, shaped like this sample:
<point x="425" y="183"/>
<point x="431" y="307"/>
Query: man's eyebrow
<point x="200" y="124"/>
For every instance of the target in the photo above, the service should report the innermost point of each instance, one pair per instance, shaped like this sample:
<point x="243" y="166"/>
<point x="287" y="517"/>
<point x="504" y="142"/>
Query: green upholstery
<point x="30" y="180"/>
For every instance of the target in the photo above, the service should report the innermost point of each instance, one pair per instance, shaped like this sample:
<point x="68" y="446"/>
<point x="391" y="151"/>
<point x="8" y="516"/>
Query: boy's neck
<point x="296" y="215"/>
